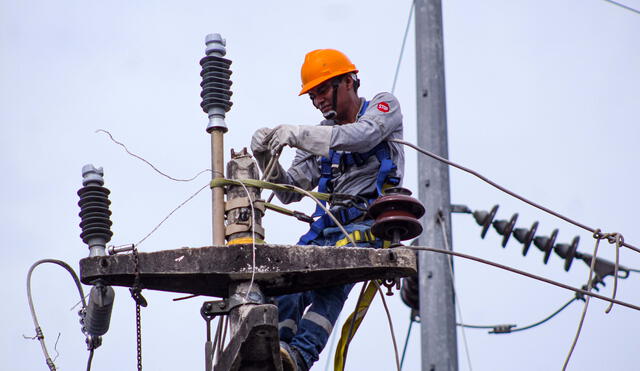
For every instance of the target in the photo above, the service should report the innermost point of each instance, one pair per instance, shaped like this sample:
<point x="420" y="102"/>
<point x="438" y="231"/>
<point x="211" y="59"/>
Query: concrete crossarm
<point x="279" y="269"/>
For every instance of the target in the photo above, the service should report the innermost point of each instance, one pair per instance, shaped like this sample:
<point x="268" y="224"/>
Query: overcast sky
<point x="542" y="97"/>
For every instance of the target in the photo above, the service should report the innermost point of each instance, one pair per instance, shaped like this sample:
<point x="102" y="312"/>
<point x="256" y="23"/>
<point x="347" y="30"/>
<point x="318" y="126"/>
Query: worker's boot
<point x="291" y="358"/>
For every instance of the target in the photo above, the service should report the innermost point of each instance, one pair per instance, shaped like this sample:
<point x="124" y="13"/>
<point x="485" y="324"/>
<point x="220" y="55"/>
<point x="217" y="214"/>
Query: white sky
<point x="542" y="97"/>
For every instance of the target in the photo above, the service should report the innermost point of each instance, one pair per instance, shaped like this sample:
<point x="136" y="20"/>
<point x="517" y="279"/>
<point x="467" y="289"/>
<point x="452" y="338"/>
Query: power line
<point x="404" y="40"/>
<point x="623" y="6"/>
<point x="526" y="274"/>
<point x="149" y="163"/>
<point x="596" y="232"/>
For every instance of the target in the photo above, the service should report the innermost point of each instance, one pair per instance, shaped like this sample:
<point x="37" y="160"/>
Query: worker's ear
<point x="348" y="82"/>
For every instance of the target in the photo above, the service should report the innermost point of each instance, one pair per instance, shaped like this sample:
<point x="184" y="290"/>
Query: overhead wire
<point x="443" y="228"/>
<point x="404" y="40"/>
<point x="623" y="6"/>
<point x="390" y="322"/>
<point x="526" y="274"/>
<point x="406" y="341"/>
<point x="510" y="328"/>
<point x="148" y="162"/>
<point x="171" y="213"/>
<point x="517" y="329"/>
<point x="511" y="193"/>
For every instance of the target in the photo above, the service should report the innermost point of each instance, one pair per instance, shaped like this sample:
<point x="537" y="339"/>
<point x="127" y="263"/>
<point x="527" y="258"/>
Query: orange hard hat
<point x="321" y="65"/>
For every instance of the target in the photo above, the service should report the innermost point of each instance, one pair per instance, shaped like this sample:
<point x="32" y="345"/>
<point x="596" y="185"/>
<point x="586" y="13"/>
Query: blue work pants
<point x="309" y="331"/>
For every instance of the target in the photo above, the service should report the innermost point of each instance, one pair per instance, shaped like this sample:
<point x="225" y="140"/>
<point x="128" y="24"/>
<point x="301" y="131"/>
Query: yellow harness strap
<point x="361" y="236"/>
<point x="359" y="313"/>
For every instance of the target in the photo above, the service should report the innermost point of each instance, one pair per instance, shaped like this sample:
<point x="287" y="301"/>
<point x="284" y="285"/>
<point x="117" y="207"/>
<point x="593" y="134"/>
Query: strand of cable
<point x="326" y="210"/>
<point x="586" y="304"/>
<point x="443" y="228"/>
<point x="495" y="328"/>
<point x="149" y="163"/>
<point x="90" y="359"/>
<point x="393" y="335"/>
<point x="304" y="192"/>
<point x="34" y="316"/>
<point x="253" y="242"/>
<point x="406" y="342"/>
<point x="545" y="319"/>
<point x="404" y="41"/>
<point x="610" y="237"/>
<point x="526" y="274"/>
<point x="623" y="6"/>
<point x="272" y="164"/>
<point x="619" y="241"/>
<point x="170" y="214"/>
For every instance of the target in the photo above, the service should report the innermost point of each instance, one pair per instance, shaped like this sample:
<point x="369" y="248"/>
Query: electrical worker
<point x="348" y="155"/>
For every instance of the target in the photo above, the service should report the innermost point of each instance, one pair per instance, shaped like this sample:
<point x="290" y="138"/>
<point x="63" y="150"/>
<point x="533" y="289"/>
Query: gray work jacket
<point x="382" y="120"/>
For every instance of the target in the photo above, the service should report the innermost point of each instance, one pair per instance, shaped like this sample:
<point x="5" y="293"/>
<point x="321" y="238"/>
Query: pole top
<point x="215" y="45"/>
<point x="92" y="175"/>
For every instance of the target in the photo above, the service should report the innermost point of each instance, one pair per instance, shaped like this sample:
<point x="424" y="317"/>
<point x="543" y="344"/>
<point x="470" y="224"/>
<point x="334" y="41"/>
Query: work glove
<point x="313" y="139"/>
<point x="262" y="153"/>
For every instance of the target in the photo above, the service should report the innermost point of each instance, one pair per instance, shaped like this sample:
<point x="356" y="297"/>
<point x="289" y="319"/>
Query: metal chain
<point x="140" y="301"/>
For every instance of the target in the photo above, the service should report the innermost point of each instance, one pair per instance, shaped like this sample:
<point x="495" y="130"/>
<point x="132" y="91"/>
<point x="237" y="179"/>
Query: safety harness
<point x="336" y="163"/>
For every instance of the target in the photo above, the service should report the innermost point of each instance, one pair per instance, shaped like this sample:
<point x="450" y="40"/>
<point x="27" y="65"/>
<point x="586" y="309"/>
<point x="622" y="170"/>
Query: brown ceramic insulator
<point x="396" y="202"/>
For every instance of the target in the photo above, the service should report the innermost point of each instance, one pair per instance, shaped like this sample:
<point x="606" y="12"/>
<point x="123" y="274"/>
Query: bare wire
<point x="586" y="304"/>
<point x="171" y="213"/>
<point x="526" y="274"/>
<point x="253" y="241"/>
<point x="610" y="238"/>
<point x="458" y="305"/>
<point x="406" y="341"/>
<point x="149" y="163"/>
<point x="513" y="328"/>
<point x="404" y="41"/>
<point x="545" y="319"/>
<point x="393" y="335"/>
<point x="34" y="316"/>
<point x="623" y="6"/>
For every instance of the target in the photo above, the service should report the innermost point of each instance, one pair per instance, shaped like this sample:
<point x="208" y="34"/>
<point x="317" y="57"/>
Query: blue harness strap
<point x="338" y="161"/>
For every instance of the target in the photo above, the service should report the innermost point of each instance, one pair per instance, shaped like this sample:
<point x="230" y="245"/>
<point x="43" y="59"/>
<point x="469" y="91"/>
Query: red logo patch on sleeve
<point x="383" y="107"/>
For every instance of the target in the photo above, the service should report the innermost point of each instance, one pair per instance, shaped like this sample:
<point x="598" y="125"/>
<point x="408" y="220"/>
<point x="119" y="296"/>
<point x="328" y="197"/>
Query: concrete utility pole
<point x="437" y="314"/>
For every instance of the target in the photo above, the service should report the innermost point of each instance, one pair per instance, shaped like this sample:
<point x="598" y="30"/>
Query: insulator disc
<point x="93" y="188"/>
<point x="394" y="224"/>
<point x="488" y="221"/>
<point x="212" y="78"/>
<point x="508" y="229"/>
<point x="396" y="202"/>
<point x="529" y="238"/>
<point x="214" y="59"/>
<point x="410" y="292"/>
<point x="216" y="92"/>
<point x="548" y="247"/>
<point x="571" y="253"/>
